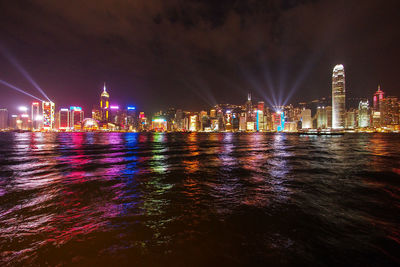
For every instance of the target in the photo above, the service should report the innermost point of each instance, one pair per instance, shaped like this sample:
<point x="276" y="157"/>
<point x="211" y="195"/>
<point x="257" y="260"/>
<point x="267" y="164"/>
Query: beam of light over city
<point x="18" y="89"/>
<point x="17" y="65"/>
<point x="259" y="87"/>
<point x="266" y="74"/>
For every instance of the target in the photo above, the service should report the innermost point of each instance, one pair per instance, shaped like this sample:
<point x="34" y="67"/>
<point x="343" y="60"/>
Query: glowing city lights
<point x="23" y="109"/>
<point x="18" y="89"/>
<point x="317" y="116"/>
<point x="75" y="108"/>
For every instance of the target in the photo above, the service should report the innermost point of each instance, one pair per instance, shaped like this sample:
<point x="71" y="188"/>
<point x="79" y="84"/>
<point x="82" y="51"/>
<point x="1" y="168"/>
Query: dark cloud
<point x="193" y="54"/>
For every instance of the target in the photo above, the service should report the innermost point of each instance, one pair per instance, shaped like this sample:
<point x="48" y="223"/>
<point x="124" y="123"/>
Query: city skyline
<point x="250" y="93"/>
<point x="323" y="116"/>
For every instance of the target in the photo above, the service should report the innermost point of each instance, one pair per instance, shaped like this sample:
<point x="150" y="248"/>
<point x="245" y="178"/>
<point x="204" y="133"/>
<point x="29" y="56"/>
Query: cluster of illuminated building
<point x="322" y="115"/>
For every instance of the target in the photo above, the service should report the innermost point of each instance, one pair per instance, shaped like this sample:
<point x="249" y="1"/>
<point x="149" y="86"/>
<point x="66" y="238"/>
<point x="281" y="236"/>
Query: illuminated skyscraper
<point x="131" y="118"/>
<point x="390" y="110"/>
<point x="104" y="104"/>
<point x="378" y="97"/>
<point x="260" y="116"/>
<point x="306" y="120"/>
<point x="23" y="122"/>
<point x="48" y="115"/>
<point x="363" y="114"/>
<point x="76" y="118"/>
<point x="35" y="116"/>
<point x="322" y="118"/>
<point x="63" y="119"/>
<point x="96" y="114"/>
<point x="351" y="119"/>
<point x="142" y="121"/>
<point x="159" y="124"/>
<point x="278" y="120"/>
<point x="194" y="123"/>
<point x="338" y="97"/>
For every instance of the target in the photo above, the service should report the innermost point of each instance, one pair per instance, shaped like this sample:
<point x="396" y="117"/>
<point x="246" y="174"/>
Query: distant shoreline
<point x="202" y="132"/>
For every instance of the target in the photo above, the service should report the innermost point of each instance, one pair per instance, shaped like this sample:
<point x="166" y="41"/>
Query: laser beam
<point x="19" y="90"/>
<point x="16" y="64"/>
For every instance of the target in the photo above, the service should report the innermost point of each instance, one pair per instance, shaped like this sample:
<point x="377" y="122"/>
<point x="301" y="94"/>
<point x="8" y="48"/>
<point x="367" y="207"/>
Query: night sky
<point x="193" y="54"/>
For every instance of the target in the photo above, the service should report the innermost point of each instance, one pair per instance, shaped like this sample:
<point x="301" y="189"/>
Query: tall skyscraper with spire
<point x="104" y="104"/>
<point x="378" y="97"/>
<point x="338" y="97"/>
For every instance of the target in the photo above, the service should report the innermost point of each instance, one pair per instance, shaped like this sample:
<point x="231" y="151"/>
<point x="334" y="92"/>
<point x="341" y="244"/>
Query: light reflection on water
<point x="156" y="199"/>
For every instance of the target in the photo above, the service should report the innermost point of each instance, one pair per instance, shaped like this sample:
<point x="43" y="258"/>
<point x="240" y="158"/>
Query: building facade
<point x="338" y="97"/>
<point x="104" y="104"/>
<point x="3" y="118"/>
<point x="48" y="115"/>
<point x="364" y="117"/>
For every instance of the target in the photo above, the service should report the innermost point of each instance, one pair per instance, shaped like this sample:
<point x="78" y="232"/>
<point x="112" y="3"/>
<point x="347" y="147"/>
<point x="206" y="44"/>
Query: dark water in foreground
<point x="199" y="199"/>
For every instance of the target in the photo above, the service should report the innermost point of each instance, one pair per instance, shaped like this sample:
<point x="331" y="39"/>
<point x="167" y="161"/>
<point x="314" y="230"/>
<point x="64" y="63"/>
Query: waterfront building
<point x="338" y="97"/>
<point x="306" y="120"/>
<point x="3" y="118"/>
<point x="48" y="115"/>
<point x="260" y="116"/>
<point x="143" y="125"/>
<point x="364" y="117"/>
<point x="63" y="119"/>
<point x="116" y="116"/>
<point x="228" y="120"/>
<point x="159" y="124"/>
<point x="194" y="123"/>
<point x="290" y="126"/>
<point x="376" y="119"/>
<point x="179" y="119"/>
<point x="329" y="116"/>
<point x="57" y="120"/>
<point x="350" y="120"/>
<point x="104" y="104"/>
<point x="96" y="114"/>
<point x="214" y="125"/>
<point x="76" y="118"/>
<point x="131" y="118"/>
<point x="22" y="122"/>
<point x="390" y="110"/>
<point x="36" y="118"/>
<point x="213" y="113"/>
<point x="13" y="121"/>
<point x="203" y="120"/>
<point x="278" y="120"/>
<point x="90" y="124"/>
<point x="322" y="118"/>
<point x="250" y="126"/>
<point x="290" y="113"/>
<point x="268" y="119"/>
<point x="242" y="122"/>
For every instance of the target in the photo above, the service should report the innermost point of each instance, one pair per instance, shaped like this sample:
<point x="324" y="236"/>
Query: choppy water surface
<point x="199" y="199"/>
